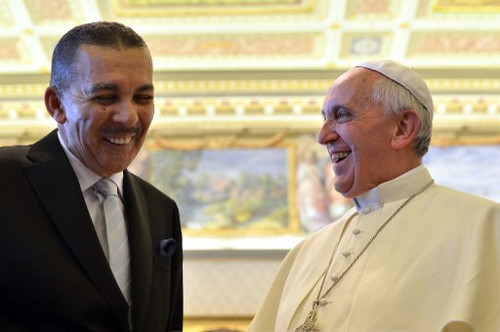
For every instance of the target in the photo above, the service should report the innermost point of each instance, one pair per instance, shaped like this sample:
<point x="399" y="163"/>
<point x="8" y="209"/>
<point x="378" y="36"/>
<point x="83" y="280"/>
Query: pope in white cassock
<point x="411" y="255"/>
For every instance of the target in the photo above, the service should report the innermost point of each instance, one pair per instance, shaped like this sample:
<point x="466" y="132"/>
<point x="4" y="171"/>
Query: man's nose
<point x="327" y="133"/>
<point x="127" y="113"/>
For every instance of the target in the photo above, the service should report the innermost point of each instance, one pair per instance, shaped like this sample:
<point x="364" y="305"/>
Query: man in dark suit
<point x="55" y="272"/>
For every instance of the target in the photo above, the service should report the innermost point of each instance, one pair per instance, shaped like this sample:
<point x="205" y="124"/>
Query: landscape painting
<point x="226" y="191"/>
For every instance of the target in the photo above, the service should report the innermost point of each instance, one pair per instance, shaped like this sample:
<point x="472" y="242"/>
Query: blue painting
<point x="469" y="168"/>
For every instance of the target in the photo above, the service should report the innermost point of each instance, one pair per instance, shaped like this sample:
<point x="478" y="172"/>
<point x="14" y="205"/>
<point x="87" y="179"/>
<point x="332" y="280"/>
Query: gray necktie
<point x="116" y="230"/>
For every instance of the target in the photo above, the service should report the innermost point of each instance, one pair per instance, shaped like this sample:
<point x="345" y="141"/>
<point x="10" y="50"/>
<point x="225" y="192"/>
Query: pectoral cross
<point x="308" y="325"/>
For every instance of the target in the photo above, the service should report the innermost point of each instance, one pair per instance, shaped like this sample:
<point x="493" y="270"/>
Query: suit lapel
<point x="140" y="247"/>
<point x="56" y="185"/>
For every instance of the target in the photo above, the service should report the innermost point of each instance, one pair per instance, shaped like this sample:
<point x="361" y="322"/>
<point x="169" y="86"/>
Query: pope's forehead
<point x="357" y="75"/>
<point x="352" y="81"/>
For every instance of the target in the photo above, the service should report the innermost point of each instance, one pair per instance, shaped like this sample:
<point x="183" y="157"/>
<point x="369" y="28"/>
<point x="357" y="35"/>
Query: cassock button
<point x="365" y="210"/>
<point x="334" y="278"/>
<point x="346" y="254"/>
<point x="356" y="231"/>
<point x="322" y="302"/>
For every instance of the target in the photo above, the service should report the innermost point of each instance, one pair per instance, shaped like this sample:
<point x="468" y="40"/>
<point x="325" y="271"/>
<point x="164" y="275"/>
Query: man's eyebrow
<point x="113" y="87"/>
<point x="102" y="86"/>
<point x="146" y="87"/>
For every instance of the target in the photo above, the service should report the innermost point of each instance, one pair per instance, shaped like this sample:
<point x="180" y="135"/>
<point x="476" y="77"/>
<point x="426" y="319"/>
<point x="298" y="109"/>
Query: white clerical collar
<point x="397" y="188"/>
<point x="367" y="202"/>
<point x="86" y="177"/>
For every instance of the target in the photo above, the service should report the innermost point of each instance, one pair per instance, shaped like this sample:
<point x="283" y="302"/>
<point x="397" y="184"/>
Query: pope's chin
<point x="342" y="189"/>
<point x="345" y="185"/>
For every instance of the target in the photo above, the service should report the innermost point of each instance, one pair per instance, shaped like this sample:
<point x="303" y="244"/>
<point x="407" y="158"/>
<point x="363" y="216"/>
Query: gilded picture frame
<point x="236" y="190"/>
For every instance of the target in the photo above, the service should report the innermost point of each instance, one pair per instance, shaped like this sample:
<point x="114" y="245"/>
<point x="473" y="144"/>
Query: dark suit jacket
<point x="53" y="273"/>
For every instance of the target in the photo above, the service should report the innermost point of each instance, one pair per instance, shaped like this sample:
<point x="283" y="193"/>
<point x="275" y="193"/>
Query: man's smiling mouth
<point x="120" y="140"/>
<point x="339" y="156"/>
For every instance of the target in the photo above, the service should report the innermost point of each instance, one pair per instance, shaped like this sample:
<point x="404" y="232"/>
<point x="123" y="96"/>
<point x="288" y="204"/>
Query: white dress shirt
<point x="87" y="178"/>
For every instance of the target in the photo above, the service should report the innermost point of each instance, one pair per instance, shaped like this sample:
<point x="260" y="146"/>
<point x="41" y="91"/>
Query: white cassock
<point x="434" y="267"/>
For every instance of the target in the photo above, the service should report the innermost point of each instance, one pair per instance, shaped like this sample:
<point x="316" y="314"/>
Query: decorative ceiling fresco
<point x="231" y="63"/>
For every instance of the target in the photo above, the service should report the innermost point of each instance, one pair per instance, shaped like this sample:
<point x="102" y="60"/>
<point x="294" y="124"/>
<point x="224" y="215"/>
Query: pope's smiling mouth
<point x="339" y="156"/>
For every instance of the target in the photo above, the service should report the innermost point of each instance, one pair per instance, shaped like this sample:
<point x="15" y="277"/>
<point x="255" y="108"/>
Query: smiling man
<point x="410" y="255"/>
<point x="85" y="245"/>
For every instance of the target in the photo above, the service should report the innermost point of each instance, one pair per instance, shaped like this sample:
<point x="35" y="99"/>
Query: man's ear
<point x="408" y="124"/>
<point x="53" y="105"/>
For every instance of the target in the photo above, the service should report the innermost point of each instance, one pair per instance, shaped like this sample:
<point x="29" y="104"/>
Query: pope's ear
<point x="54" y="105"/>
<point x="408" y="124"/>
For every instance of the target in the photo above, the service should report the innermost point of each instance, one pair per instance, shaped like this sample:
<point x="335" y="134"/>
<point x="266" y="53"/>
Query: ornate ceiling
<point x="264" y="62"/>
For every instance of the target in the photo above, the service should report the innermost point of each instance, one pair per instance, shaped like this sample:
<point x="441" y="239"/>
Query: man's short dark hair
<point x="107" y="34"/>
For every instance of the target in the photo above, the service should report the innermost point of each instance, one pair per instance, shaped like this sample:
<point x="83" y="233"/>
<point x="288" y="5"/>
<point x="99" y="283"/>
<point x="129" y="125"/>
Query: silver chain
<point x="311" y="318"/>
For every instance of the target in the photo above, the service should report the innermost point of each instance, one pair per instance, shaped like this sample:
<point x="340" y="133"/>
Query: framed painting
<point x="227" y="191"/>
<point x="474" y="169"/>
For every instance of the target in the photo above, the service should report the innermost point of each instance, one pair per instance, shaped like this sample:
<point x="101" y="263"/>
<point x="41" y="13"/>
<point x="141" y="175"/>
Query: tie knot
<point x="106" y="187"/>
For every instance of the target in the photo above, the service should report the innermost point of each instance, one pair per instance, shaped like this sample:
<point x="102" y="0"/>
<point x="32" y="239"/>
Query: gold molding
<point x="250" y="106"/>
<point x="466" y="6"/>
<point x="156" y="141"/>
<point x="449" y="141"/>
<point x="127" y="8"/>
<point x="234" y="87"/>
<point x="197" y="324"/>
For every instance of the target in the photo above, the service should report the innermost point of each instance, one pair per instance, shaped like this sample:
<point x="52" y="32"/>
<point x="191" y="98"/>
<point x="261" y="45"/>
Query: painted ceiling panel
<point x="248" y="34"/>
<point x="271" y="58"/>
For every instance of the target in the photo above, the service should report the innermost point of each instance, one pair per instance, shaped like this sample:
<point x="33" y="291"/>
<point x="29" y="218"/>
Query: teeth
<point x="339" y="155"/>
<point x="121" y="141"/>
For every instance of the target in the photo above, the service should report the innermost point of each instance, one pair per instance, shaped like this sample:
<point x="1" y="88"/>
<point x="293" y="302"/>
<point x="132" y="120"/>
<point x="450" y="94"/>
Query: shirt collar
<point x="393" y="190"/>
<point x="368" y="201"/>
<point x="86" y="177"/>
